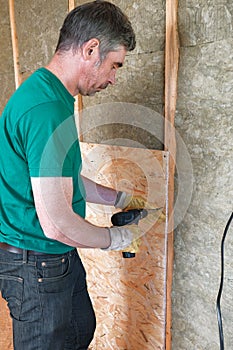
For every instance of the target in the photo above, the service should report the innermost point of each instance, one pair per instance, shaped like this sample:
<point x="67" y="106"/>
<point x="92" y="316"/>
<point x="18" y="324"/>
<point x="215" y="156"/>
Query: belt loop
<point x="25" y="256"/>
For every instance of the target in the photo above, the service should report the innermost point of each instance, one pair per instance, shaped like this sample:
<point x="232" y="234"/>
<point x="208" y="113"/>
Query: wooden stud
<point x="71" y="5"/>
<point x="171" y="80"/>
<point x="6" y="340"/>
<point x="15" y="48"/>
<point x="79" y="100"/>
<point x="79" y="111"/>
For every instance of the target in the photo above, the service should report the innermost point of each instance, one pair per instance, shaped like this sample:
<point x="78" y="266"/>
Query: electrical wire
<point x="218" y="303"/>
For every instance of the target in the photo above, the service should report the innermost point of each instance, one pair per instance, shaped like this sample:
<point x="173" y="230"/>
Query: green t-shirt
<point x="38" y="138"/>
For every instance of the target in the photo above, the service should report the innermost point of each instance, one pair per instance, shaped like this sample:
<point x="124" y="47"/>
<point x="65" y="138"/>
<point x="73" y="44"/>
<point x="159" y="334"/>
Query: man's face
<point x="100" y="74"/>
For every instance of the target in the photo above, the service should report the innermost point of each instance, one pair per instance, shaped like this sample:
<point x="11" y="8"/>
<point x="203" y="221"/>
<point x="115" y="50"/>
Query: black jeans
<point x="48" y="301"/>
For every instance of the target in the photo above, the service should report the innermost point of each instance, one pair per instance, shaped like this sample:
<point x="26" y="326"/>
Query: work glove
<point x="128" y="235"/>
<point x="127" y="201"/>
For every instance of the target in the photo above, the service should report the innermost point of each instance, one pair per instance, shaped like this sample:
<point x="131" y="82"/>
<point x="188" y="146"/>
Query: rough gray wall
<point x="38" y="29"/>
<point x="204" y="119"/>
<point x="141" y="80"/>
<point x="6" y="60"/>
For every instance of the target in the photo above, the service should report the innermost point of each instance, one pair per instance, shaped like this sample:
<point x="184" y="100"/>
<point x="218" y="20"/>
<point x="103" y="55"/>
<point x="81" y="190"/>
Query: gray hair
<point x="98" y="19"/>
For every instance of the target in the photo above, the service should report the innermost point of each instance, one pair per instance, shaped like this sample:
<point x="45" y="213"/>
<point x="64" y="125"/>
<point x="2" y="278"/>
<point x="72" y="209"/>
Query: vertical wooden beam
<point x="171" y="82"/>
<point x="15" y="48"/>
<point x="79" y="109"/>
<point x="6" y="339"/>
<point x="79" y="101"/>
<point x="71" y="5"/>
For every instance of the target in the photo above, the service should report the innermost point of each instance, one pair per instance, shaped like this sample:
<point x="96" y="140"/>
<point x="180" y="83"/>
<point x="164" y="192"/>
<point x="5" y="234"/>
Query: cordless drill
<point x="126" y="218"/>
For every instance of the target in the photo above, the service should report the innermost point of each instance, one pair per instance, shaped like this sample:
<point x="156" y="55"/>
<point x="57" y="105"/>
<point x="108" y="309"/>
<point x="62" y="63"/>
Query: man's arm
<point x="53" y="202"/>
<point x="99" y="194"/>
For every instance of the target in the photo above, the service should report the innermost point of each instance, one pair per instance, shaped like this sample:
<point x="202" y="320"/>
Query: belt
<point x="11" y="249"/>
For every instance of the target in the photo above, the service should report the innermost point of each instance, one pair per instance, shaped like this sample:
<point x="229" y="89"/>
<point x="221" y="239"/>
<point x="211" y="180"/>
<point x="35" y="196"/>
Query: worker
<point x="43" y="193"/>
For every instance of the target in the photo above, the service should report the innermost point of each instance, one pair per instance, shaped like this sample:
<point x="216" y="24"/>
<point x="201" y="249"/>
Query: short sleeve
<point x="47" y="137"/>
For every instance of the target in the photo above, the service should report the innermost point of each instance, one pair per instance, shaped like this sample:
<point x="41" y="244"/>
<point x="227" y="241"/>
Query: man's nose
<point x="112" y="78"/>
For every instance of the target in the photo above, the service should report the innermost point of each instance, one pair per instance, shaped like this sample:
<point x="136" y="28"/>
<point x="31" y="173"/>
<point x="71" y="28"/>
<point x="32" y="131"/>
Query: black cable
<point x="219" y="316"/>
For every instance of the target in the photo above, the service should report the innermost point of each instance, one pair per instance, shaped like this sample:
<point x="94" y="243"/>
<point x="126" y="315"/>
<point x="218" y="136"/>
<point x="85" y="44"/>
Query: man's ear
<point x="90" y="49"/>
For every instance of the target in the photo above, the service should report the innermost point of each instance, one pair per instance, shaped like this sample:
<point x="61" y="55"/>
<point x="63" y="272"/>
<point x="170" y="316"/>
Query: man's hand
<point x="127" y="201"/>
<point x="124" y="236"/>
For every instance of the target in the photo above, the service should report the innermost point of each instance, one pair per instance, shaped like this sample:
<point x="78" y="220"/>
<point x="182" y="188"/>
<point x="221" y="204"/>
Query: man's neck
<point x="61" y="67"/>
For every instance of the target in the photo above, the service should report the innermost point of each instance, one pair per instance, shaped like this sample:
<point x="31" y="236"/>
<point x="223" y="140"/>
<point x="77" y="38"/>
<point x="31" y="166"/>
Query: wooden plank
<point x="78" y="110"/>
<point x="129" y="295"/>
<point x="15" y="48"/>
<point x="6" y="341"/>
<point x="78" y="106"/>
<point x="71" y="5"/>
<point x="171" y="77"/>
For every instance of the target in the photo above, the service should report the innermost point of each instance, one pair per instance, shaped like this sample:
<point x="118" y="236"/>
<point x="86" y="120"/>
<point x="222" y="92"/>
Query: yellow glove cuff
<point x="127" y="201"/>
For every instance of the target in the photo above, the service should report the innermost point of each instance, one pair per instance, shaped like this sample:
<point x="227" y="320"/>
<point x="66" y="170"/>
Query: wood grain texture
<point x="15" y="46"/>
<point x="171" y="83"/>
<point x="129" y="295"/>
<point x="6" y="342"/>
<point x="78" y="106"/>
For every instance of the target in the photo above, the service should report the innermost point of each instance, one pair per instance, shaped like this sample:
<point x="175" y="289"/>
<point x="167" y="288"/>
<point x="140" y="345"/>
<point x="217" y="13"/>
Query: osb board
<point x="129" y="295"/>
<point x="6" y="342"/>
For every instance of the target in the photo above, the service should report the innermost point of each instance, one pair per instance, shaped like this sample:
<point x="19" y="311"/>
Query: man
<point x="42" y="192"/>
